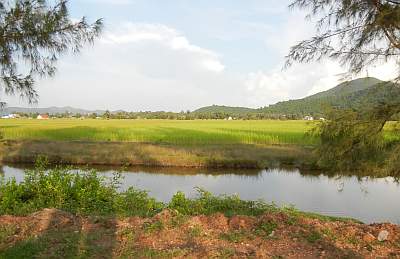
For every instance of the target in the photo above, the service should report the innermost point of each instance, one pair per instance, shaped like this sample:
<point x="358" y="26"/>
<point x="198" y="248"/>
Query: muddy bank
<point x="147" y="154"/>
<point x="54" y="233"/>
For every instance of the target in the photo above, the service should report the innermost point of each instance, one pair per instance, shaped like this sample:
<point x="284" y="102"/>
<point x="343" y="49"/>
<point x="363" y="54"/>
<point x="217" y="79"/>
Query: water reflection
<point x="365" y="198"/>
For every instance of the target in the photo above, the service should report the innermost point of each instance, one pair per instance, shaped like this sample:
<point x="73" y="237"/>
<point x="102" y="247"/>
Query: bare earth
<point x="53" y="233"/>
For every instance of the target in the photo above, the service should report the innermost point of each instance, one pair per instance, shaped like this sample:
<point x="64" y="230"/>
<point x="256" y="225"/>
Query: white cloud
<point x="157" y="33"/>
<point x="140" y="67"/>
<point x="267" y="87"/>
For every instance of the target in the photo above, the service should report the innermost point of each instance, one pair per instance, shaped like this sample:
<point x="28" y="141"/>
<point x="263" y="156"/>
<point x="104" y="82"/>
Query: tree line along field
<point x="197" y="132"/>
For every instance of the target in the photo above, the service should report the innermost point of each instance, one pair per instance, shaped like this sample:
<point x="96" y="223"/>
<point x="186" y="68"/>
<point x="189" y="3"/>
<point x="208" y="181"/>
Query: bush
<point x="78" y="192"/>
<point x="81" y="192"/>
<point x="138" y="203"/>
<point x="206" y="204"/>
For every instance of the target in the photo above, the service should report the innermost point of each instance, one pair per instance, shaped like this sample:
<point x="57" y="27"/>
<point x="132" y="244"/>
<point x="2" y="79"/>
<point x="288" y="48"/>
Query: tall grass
<point x="161" y="131"/>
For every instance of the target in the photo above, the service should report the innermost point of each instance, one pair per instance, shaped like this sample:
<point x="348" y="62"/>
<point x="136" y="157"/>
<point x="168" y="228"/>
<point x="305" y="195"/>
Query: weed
<point x="226" y="252"/>
<point x="206" y="204"/>
<point x="6" y="231"/>
<point x="235" y="236"/>
<point x="295" y="213"/>
<point x="313" y="236"/>
<point x="129" y="234"/>
<point x="369" y="247"/>
<point x="194" y="232"/>
<point x="291" y="220"/>
<point x="153" y="253"/>
<point x="353" y="240"/>
<point x="50" y="245"/>
<point x="150" y="227"/>
<point x="178" y="220"/>
<point x="265" y="229"/>
<point x="329" y="233"/>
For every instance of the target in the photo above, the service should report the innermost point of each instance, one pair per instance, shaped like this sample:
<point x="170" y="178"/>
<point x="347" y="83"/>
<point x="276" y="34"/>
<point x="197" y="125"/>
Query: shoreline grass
<point x="147" y="154"/>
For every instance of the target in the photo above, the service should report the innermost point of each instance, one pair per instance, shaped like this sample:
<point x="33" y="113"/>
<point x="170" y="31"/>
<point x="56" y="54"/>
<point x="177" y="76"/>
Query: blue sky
<point x="183" y="54"/>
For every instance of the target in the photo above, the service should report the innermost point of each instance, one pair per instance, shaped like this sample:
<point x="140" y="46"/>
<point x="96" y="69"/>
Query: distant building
<point x="322" y="119"/>
<point x="42" y="117"/>
<point x="309" y="118"/>
<point x="9" y="116"/>
<point x="230" y="118"/>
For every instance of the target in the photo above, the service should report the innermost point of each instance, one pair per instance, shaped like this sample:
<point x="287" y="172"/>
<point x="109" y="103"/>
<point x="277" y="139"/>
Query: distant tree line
<point x="162" y="115"/>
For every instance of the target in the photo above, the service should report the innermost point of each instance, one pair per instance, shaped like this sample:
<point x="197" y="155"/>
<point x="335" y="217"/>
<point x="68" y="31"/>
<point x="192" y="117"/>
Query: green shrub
<point x="83" y="192"/>
<point x="138" y="203"/>
<point x="205" y="204"/>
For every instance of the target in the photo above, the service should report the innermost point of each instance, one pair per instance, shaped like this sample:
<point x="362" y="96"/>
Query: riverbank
<point x="151" y="154"/>
<point x="52" y="233"/>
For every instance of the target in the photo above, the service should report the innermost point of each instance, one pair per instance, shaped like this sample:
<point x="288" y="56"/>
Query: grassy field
<point x="161" y="131"/>
<point x="199" y="143"/>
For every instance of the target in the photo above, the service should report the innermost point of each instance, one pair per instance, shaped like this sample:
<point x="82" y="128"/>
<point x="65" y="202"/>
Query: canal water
<point x="365" y="198"/>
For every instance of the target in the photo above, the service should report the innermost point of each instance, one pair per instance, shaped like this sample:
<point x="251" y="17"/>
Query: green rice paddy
<point x="198" y="132"/>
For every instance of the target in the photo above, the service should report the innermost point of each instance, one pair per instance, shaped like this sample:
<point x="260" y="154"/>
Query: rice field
<point x="196" y="132"/>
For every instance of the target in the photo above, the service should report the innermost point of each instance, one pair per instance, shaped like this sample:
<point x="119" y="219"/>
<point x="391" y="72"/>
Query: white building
<point x="42" y="117"/>
<point x="309" y="118"/>
<point x="9" y="116"/>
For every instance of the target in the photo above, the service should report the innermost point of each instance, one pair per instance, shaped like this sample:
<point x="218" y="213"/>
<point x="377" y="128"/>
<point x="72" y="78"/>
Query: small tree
<point x="107" y="115"/>
<point x="357" y="33"/>
<point x="34" y="34"/>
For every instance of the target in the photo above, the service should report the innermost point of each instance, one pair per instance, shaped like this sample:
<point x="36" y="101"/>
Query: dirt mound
<point x="170" y="234"/>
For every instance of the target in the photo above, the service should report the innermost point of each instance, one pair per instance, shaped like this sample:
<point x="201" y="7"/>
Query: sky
<point x="184" y="54"/>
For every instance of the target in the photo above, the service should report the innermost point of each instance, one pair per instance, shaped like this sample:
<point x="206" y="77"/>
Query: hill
<point x="358" y="93"/>
<point x="350" y="94"/>
<point x="224" y="109"/>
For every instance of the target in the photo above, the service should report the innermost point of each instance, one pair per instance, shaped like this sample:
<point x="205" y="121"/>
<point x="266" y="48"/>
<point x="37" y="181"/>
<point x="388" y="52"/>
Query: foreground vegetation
<point x="90" y="218"/>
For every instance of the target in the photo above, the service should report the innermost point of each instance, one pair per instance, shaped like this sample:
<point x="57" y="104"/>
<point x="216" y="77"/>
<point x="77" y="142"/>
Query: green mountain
<point x="224" y="109"/>
<point x="358" y="93"/>
<point x="347" y="87"/>
<point x="351" y="94"/>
